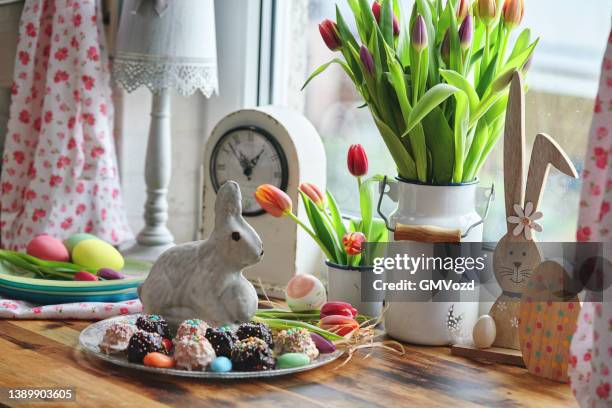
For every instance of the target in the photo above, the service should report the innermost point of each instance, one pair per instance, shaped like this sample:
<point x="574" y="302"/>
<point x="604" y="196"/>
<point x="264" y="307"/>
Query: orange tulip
<point x="487" y="10"/>
<point x="314" y="193"/>
<point x="463" y="8"/>
<point x="353" y="242"/>
<point x="513" y="12"/>
<point x="273" y="200"/>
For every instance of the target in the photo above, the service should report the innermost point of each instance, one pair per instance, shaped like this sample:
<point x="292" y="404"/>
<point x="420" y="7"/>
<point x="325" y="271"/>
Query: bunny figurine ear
<point x="514" y="149"/>
<point x="545" y="152"/>
<point x="228" y="202"/>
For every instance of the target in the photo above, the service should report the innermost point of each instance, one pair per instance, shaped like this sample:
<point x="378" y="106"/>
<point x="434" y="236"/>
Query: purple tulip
<point x="368" y="60"/>
<point x="466" y="32"/>
<point x="418" y="38"/>
<point x="445" y="48"/>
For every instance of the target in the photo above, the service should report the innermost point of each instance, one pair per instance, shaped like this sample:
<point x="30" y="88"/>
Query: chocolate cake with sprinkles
<point x="143" y="343"/>
<point x="222" y="339"/>
<point x="259" y="330"/>
<point x="153" y="324"/>
<point x="252" y="354"/>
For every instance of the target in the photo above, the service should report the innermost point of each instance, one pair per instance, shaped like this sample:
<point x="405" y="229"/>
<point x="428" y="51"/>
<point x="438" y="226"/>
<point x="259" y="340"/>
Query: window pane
<point x="560" y="103"/>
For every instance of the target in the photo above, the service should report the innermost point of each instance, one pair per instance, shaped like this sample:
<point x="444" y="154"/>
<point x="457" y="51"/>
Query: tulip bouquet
<point x="436" y="80"/>
<point x="341" y="245"/>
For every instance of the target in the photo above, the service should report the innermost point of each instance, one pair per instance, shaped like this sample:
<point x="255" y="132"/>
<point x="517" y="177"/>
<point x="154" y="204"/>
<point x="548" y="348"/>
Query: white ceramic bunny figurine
<point x="517" y="255"/>
<point x="204" y="279"/>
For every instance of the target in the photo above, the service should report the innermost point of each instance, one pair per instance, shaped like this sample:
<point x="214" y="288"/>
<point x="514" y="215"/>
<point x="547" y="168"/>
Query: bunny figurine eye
<point x="236" y="236"/>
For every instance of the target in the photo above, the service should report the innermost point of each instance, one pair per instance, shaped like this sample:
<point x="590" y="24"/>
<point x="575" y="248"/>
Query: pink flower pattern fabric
<point x="17" y="309"/>
<point x="591" y="348"/>
<point x="59" y="172"/>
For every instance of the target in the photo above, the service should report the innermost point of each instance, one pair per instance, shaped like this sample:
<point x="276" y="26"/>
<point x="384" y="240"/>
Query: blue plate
<point x="46" y="291"/>
<point x="46" y="299"/>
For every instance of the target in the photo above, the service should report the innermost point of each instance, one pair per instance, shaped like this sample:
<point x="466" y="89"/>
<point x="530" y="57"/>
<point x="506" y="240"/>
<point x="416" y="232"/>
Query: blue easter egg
<point x="221" y="365"/>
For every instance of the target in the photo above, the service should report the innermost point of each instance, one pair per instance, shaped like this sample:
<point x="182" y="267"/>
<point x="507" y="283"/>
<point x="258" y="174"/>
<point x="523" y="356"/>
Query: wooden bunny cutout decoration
<point x="204" y="279"/>
<point x="517" y="255"/>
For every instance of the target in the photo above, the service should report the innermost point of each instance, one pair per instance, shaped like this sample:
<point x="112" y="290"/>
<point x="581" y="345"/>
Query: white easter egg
<point x="305" y="292"/>
<point x="484" y="332"/>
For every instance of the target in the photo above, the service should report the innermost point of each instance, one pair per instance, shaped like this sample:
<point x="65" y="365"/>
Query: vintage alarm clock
<point x="267" y="145"/>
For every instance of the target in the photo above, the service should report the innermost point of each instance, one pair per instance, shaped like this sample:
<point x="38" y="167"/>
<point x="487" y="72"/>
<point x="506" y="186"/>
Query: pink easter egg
<point x="305" y="292"/>
<point x="48" y="248"/>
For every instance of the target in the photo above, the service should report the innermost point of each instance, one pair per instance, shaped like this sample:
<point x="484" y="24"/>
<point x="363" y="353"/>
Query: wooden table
<point x="46" y="354"/>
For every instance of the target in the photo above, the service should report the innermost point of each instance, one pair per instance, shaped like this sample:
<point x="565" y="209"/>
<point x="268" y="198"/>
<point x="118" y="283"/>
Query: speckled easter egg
<point x="48" y="248"/>
<point x="97" y="254"/>
<point x="221" y="365"/>
<point x="74" y="239"/>
<point x="305" y="292"/>
<point x="292" y="360"/>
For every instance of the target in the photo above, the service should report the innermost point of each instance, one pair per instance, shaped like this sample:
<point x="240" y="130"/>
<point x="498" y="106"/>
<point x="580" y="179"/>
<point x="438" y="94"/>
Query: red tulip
<point x="338" y="309"/>
<point x="314" y="193"/>
<point x="513" y="12"/>
<point x="329" y="32"/>
<point x="353" y="242"/>
<point x="376" y="12"/>
<point x="357" y="160"/>
<point x="341" y="325"/>
<point x="273" y="200"/>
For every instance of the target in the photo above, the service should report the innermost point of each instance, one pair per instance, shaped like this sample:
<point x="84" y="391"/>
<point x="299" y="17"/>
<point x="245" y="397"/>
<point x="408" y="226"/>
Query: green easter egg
<point x="292" y="360"/>
<point x="74" y="239"/>
<point x="96" y="254"/>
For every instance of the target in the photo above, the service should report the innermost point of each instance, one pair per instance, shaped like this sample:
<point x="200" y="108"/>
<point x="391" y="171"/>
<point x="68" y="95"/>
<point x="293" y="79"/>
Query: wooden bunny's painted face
<point x="514" y="262"/>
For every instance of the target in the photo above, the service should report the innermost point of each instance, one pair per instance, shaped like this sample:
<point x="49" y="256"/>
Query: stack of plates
<point x="45" y="291"/>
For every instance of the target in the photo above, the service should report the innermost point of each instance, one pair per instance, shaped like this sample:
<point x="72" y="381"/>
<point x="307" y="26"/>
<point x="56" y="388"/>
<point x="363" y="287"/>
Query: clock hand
<point x="244" y="162"/>
<point x="255" y="159"/>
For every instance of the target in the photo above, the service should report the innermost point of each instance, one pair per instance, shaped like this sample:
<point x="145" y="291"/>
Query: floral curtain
<point x="591" y="349"/>
<point x="59" y="173"/>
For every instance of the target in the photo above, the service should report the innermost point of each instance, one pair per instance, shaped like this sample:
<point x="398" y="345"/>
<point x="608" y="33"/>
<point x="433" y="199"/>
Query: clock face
<point x="251" y="157"/>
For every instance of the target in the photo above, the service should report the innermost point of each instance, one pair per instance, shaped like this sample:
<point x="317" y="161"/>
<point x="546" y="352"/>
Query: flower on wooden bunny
<point x="525" y="220"/>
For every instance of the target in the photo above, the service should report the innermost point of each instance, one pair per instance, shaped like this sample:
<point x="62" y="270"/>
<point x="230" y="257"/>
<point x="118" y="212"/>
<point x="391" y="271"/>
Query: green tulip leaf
<point x="335" y="216"/>
<point x="462" y="122"/>
<point x="386" y="21"/>
<point x="365" y="204"/>
<point x="323" y="67"/>
<point x="522" y="43"/>
<point x="440" y="142"/>
<point x="459" y="81"/>
<point x="322" y="229"/>
<point x="405" y="164"/>
<point x="432" y="99"/>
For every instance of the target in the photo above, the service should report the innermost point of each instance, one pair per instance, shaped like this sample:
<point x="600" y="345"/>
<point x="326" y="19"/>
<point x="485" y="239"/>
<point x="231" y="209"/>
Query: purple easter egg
<point x="109" y="274"/>
<point x="323" y="345"/>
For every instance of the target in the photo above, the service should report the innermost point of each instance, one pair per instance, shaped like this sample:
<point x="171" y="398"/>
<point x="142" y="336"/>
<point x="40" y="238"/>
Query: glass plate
<point x="92" y="335"/>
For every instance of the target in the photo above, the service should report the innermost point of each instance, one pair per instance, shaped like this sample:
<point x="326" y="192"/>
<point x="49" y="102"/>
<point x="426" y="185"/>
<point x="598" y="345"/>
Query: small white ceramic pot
<point x="344" y="284"/>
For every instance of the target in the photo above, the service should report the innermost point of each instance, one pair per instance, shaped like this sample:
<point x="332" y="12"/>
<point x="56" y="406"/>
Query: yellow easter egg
<point x="95" y="253"/>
